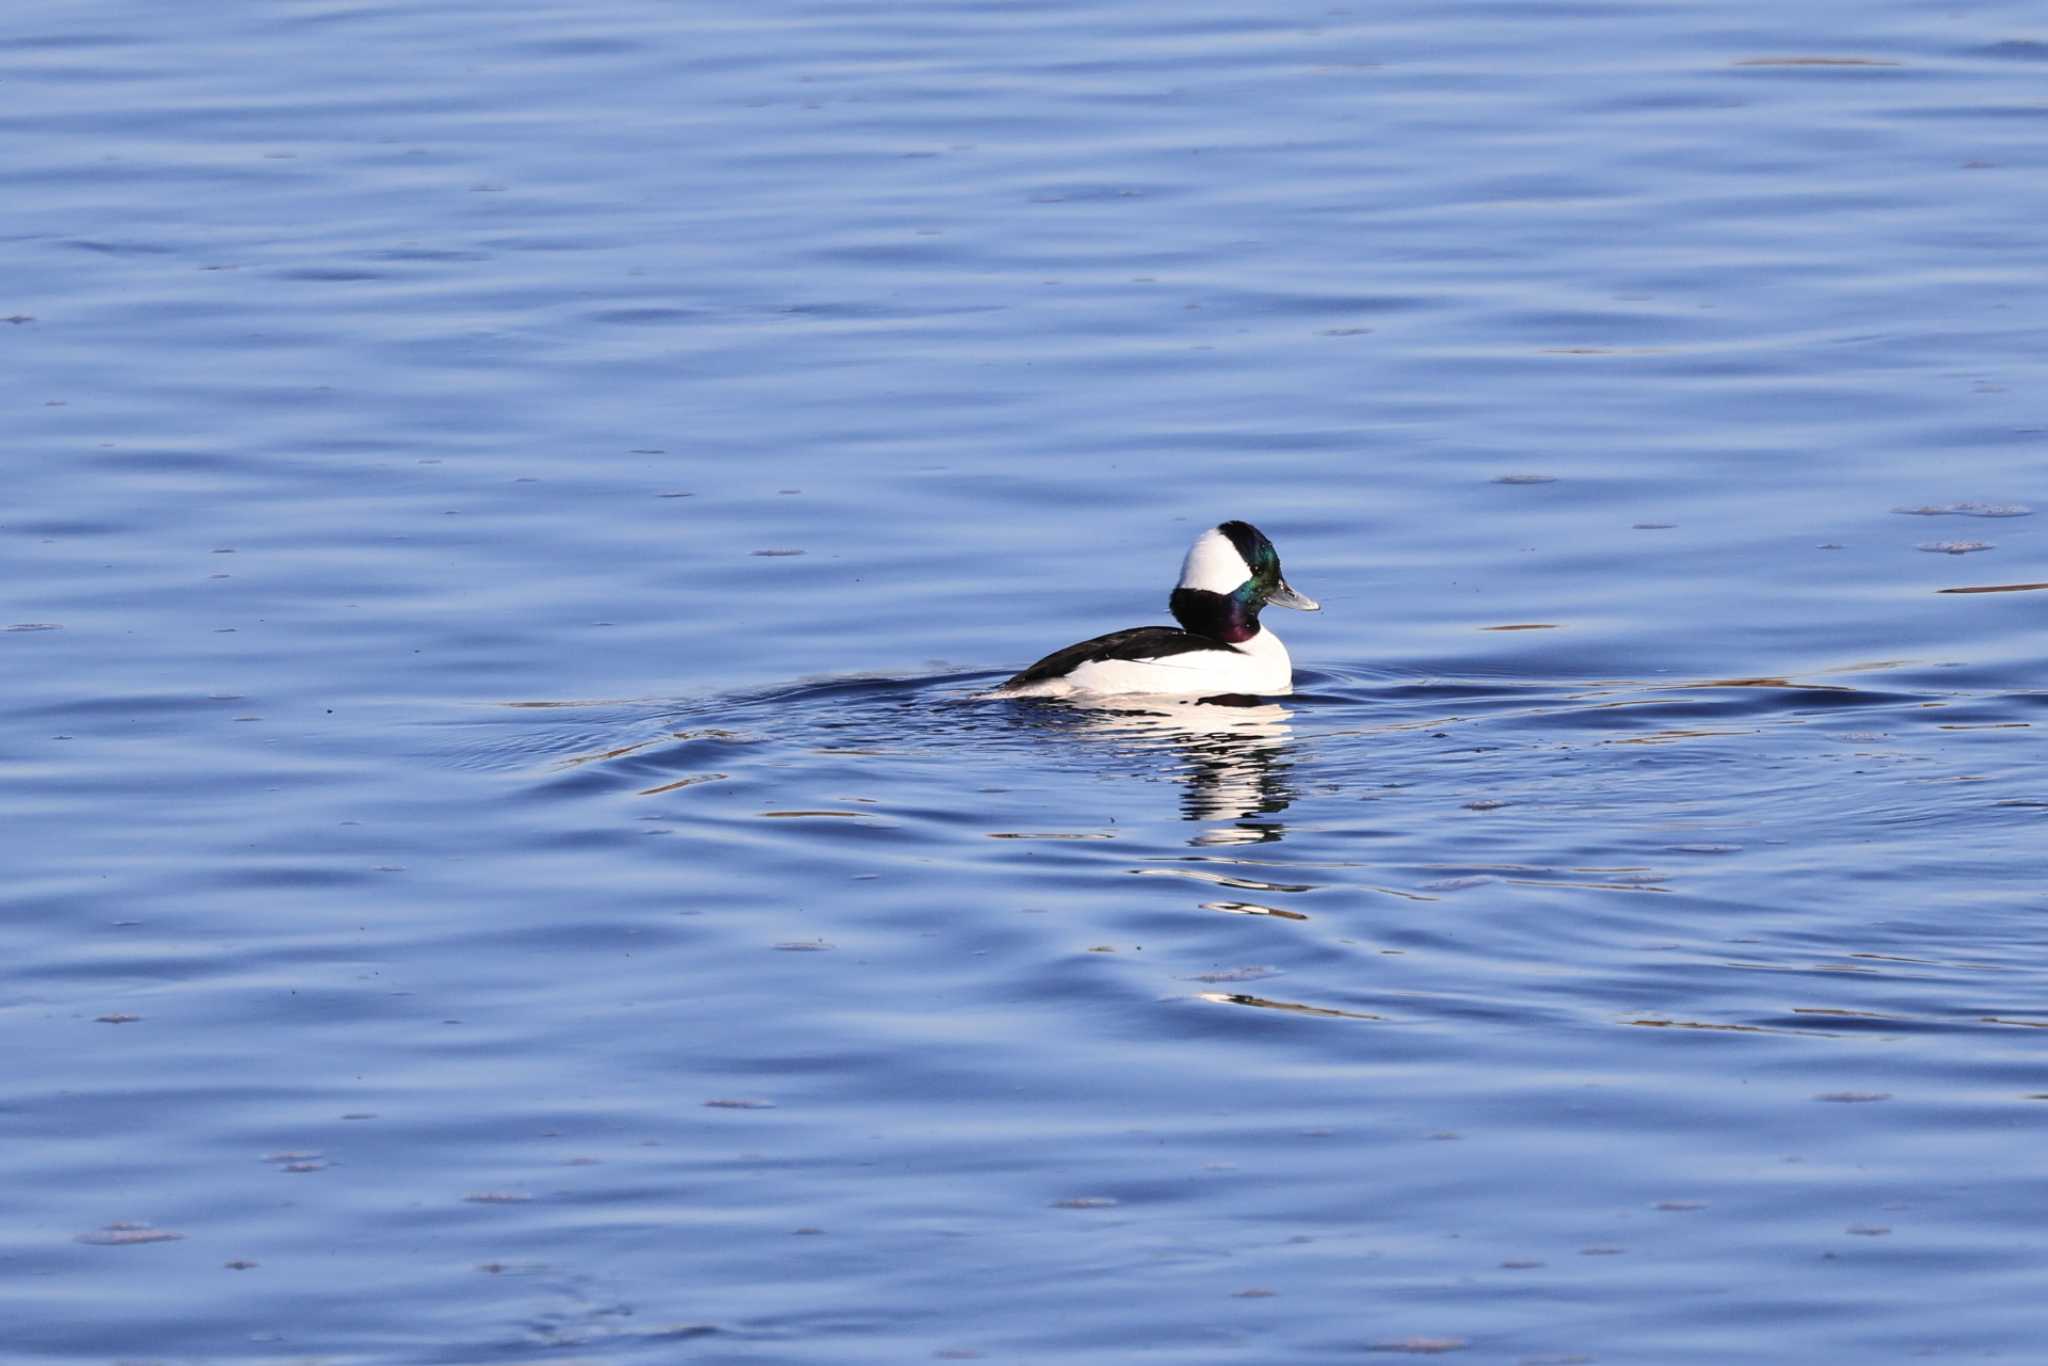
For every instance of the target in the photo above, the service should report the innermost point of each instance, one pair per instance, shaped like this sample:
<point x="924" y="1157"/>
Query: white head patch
<point x="1213" y="564"/>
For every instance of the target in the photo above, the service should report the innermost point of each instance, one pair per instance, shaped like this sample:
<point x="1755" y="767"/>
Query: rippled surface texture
<point x="507" y="508"/>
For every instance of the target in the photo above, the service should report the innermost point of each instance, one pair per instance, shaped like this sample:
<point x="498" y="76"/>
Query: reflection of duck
<point x="1230" y="573"/>
<point x="1238" y="759"/>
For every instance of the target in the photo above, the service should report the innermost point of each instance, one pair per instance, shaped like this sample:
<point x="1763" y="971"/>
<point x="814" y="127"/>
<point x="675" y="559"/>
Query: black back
<point x="1140" y="642"/>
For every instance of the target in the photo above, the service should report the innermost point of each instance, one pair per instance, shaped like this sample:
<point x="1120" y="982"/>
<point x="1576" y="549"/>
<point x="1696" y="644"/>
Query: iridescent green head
<point x="1230" y="573"/>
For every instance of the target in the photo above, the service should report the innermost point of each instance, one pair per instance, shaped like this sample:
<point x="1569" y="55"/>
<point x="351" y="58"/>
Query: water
<point x="508" y="509"/>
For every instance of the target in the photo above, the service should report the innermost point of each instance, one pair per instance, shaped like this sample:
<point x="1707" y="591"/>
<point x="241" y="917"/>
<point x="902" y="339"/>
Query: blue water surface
<point x="509" y="509"/>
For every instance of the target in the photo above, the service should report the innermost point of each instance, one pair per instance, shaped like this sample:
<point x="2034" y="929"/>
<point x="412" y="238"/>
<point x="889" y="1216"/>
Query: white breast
<point x="1259" y="666"/>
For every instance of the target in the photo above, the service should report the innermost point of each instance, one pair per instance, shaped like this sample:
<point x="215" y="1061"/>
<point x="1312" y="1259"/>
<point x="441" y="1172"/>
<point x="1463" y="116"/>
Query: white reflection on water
<point x="1236" y="757"/>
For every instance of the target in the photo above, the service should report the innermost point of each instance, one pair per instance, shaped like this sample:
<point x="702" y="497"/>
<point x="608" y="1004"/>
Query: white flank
<point x="1213" y="564"/>
<point x="1259" y="666"/>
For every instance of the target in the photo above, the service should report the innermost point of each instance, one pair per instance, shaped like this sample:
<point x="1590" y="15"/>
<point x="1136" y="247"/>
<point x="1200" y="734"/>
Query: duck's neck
<point x="1221" y="616"/>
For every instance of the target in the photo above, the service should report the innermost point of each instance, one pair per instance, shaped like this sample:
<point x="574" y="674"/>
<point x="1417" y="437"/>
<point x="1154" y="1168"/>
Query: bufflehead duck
<point x="1230" y="573"/>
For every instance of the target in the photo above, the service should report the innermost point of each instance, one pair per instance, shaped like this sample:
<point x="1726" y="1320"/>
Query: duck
<point x="1231" y="572"/>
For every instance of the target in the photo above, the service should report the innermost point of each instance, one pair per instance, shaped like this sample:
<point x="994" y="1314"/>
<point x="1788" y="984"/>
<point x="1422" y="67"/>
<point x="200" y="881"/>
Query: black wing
<point x="1140" y="642"/>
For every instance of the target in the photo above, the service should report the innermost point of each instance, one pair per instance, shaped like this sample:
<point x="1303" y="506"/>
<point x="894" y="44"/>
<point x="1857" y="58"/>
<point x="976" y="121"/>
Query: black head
<point x="1231" y="572"/>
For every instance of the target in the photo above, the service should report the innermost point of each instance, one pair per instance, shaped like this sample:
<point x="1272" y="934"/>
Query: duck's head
<point x="1230" y="573"/>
